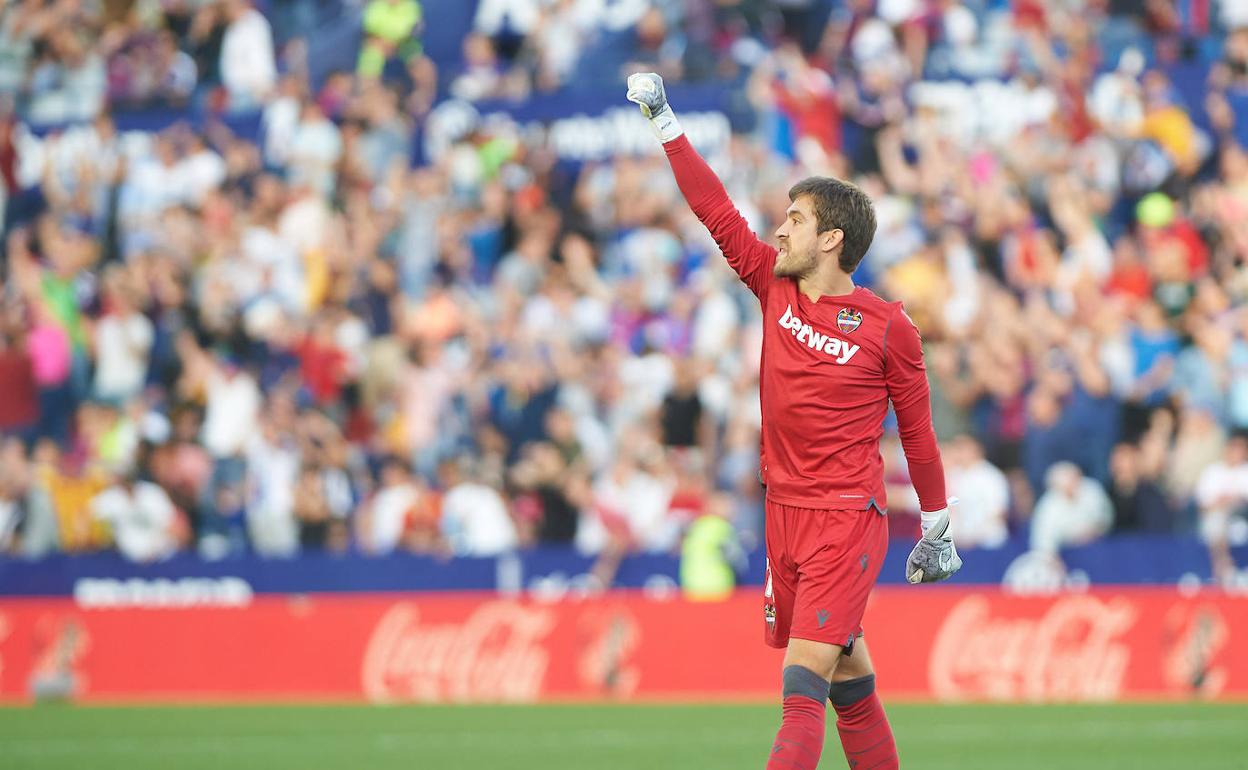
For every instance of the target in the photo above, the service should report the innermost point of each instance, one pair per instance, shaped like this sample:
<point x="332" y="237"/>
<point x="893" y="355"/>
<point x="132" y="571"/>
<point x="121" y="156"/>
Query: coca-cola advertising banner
<point x="927" y="642"/>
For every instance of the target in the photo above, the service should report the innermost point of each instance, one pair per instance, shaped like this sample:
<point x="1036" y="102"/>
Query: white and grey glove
<point x="934" y="557"/>
<point x="645" y="89"/>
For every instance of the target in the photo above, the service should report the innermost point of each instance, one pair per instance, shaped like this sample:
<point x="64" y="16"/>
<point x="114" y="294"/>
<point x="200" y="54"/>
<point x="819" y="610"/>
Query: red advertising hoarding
<point x="929" y="643"/>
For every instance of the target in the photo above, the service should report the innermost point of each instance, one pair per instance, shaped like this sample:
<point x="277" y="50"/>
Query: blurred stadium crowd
<point x="307" y="341"/>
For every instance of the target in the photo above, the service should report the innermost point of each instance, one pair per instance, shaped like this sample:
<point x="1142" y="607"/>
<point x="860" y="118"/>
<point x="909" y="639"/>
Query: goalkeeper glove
<point x="934" y="557"/>
<point x="645" y="89"/>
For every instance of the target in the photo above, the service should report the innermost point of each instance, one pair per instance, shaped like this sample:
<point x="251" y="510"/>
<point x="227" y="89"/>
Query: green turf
<point x="638" y="737"/>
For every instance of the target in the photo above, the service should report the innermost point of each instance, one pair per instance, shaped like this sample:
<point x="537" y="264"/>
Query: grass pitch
<point x="637" y="737"/>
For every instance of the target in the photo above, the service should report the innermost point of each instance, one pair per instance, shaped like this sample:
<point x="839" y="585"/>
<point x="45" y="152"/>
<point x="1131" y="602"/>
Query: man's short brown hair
<point x="840" y="206"/>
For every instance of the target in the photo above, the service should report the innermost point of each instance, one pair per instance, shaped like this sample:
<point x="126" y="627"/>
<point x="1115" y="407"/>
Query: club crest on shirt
<point x="848" y="319"/>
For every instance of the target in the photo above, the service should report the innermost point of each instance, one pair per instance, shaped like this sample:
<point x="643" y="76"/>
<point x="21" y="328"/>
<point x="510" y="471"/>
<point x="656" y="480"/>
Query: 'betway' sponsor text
<point x="837" y="348"/>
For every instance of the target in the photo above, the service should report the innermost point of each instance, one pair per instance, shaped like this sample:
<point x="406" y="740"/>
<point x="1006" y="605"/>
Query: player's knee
<point x="851" y="691"/>
<point x="799" y="680"/>
<point x="846" y="671"/>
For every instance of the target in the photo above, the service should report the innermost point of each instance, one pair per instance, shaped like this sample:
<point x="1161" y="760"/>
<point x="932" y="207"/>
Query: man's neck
<point x="832" y="284"/>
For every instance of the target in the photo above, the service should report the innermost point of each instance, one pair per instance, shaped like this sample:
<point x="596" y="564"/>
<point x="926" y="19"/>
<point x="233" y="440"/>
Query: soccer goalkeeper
<point x="834" y="356"/>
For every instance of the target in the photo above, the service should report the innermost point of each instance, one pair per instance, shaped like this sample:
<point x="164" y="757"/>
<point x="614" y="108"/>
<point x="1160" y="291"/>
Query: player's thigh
<point x="855" y="665"/>
<point x="819" y="657"/>
<point x="780" y="579"/>
<point x="835" y="575"/>
<point x="779" y="598"/>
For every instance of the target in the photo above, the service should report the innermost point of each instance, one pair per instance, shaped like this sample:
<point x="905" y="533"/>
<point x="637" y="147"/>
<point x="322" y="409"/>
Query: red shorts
<point x="821" y="566"/>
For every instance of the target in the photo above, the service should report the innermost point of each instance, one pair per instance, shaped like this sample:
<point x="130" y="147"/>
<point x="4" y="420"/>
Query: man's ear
<point x="830" y="239"/>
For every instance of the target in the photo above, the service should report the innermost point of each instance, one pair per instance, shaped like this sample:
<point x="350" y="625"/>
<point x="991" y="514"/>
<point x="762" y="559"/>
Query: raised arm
<point x="750" y="257"/>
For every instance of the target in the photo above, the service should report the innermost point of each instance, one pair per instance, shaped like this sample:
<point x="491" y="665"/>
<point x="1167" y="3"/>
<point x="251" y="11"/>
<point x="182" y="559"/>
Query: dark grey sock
<point x="799" y="680"/>
<point x="851" y="691"/>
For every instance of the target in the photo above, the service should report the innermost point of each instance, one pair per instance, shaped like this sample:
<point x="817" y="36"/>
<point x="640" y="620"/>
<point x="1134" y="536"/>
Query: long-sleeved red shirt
<point x="829" y="369"/>
<point x="19" y="407"/>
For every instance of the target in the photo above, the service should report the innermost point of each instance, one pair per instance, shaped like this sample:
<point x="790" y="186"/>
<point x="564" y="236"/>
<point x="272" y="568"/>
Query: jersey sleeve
<point x="906" y="379"/>
<point x="751" y="258"/>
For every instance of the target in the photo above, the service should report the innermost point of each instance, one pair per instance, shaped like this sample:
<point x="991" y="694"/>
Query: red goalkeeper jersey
<point x="829" y="370"/>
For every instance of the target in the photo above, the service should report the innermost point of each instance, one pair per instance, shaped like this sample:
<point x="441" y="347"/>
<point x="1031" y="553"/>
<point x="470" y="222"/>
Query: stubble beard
<point x="791" y="265"/>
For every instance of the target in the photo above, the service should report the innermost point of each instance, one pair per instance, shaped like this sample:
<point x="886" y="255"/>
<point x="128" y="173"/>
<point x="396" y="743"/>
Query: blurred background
<point x="336" y="299"/>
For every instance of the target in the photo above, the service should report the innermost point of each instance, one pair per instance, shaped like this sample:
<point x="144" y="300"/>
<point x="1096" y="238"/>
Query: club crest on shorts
<point x="848" y="319"/>
<point x="769" y="604"/>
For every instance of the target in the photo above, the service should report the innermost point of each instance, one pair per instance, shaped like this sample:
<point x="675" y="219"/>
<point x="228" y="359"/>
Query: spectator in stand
<point x="711" y="554"/>
<point x="550" y="486"/>
<point x="1073" y="247"/>
<point x="391" y="31"/>
<point x="395" y="506"/>
<point x="1222" y="497"/>
<point x="681" y="415"/>
<point x="52" y="356"/>
<point x="475" y="520"/>
<point x="631" y="503"/>
<point x="178" y="73"/>
<point x="123" y="341"/>
<point x="232" y="407"/>
<point x="248" y="64"/>
<point x="273" y="458"/>
<point x="142" y="519"/>
<point x="15" y="482"/>
<point x="321" y="523"/>
<point x="314" y="152"/>
<point x="482" y="75"/>
<point x="508" y="22"/>
<point x="801" y="100"/>
<point x="1167" y="123"/>
<point x="1140" y="504"/>
<point x="182" y="466"/>
<point x="1237" y="376"/>
<point x="1197" y="443"/>
<point x="1154" y="346"/>
<point x="1074" y="510"/>
<point x="19" y="408"/>
<point x="982" y="513"/>
<point x="519" y="404"/>
<point x="559" y="39"/>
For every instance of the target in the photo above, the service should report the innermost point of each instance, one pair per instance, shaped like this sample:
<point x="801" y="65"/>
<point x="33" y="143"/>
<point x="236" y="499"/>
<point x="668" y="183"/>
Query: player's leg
<point x="779" y="580"/>
<point x="807" y="665"/>
<point x="808" y="668"/>
<point x="838" y="564"/>
<point x="824" y="617"/>
<point x="866" y="737"/>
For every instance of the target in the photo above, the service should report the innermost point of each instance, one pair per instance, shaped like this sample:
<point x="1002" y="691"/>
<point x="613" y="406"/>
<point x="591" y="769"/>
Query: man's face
<point x="798" y="240"/>
<point x="1237" y="451"/>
